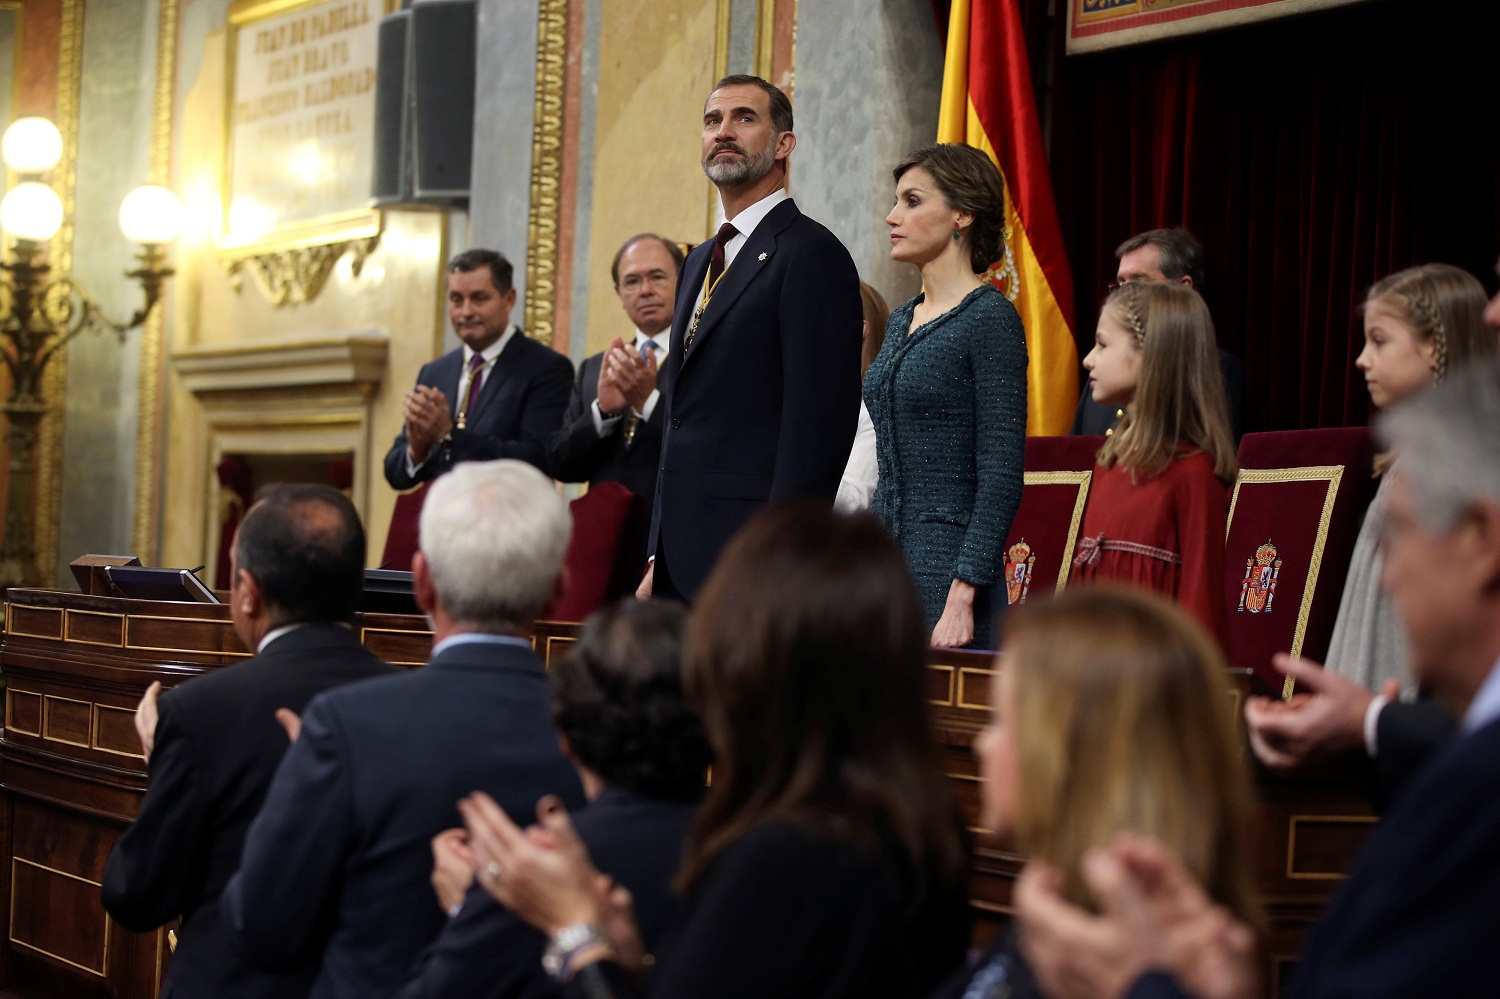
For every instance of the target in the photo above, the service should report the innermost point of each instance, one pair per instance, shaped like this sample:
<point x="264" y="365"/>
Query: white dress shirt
<point x="857" y="487"/>
<point x="461" y="390"/>
<point x="662" y="341"/>
<point x="746" y="221"/>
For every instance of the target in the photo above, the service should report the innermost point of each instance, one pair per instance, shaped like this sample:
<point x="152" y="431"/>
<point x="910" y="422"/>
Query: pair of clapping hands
<point x="626" y="379"/>
<point x="543" y="874"/>
<point x="1152" y="916"/>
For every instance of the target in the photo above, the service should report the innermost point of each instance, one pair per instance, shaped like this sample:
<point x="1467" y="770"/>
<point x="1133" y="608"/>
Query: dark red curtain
<point x="1310" y="155"/>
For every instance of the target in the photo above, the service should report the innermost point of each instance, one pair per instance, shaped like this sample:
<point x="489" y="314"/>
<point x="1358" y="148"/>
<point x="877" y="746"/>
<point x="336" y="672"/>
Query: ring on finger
<point x="492" y="870"/>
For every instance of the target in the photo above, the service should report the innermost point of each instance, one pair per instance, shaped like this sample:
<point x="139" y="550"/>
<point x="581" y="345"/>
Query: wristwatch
<point x="565" y="945"/>
<point x="446" y="441"/>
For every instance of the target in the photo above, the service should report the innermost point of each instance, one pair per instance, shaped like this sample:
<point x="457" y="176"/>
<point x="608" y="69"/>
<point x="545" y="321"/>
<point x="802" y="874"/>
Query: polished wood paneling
<point x="71" y="777"/>
<point x="23" y="712"/>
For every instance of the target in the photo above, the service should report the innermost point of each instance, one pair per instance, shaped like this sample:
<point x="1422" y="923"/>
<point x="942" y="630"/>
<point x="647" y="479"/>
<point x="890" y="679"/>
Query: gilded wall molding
<point x="296" y="275"/>
<point x="145" y="513"/>
<point x="60" y="255"/>
<point x="546" y="169"/>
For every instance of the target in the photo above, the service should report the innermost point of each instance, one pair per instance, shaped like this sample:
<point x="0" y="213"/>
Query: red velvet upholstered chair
<point x="607" y="521"/>
<point x="1294" y="514"/>
<point x="1039" y="550"/>
<point x="401" y="541"/>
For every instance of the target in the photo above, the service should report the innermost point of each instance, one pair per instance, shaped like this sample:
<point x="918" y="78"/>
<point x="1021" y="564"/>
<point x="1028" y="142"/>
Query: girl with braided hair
<point x="1420" y="324"/>
<point x="1158" y="503"/>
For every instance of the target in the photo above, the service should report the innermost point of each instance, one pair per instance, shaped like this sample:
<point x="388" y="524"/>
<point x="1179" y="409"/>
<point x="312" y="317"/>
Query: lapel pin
<point x="762" y="256"/>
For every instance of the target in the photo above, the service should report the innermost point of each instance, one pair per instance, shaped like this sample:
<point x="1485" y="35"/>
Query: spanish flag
<point x="989" y="103"/>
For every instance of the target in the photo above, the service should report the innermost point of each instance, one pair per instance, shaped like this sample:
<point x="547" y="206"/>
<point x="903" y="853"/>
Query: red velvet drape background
<point x="1310" y="155"/>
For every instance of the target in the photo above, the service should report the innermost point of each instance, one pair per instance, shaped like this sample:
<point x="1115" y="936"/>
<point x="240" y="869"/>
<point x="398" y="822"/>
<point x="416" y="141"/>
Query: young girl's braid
<point x="1132" y="315"/>
<point x="1430" y="319"/>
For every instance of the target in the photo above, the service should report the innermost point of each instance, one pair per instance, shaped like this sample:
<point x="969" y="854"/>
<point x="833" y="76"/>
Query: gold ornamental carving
<point x="296" y="275"/>
<point x="546" y="169"/>
<point x="299" y="104"/>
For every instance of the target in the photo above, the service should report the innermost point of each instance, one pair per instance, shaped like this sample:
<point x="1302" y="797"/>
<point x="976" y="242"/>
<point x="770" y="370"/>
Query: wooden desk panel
<point x="71" y="779"/>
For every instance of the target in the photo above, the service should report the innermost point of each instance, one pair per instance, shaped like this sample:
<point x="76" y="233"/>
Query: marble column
<point x="504" y="109"/>
<point x="114" y="136"/>
<point x="867" y="84"/>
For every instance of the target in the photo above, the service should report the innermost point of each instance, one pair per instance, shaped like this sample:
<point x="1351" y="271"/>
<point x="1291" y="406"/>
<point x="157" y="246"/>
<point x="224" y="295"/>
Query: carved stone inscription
<point x="302" y="114"/>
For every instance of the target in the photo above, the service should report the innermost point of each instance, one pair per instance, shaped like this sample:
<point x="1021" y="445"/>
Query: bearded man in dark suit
<point x="765" y="349"/>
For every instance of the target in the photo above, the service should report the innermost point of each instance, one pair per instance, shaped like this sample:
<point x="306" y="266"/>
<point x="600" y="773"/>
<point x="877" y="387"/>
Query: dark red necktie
<point x="476" y="368"/>
<point x="727" y="231"/>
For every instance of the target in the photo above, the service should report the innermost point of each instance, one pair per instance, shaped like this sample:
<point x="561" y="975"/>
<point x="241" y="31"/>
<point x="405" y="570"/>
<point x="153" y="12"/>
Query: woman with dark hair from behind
<point x="829" y="858"/>
<point x="620" y="711"/>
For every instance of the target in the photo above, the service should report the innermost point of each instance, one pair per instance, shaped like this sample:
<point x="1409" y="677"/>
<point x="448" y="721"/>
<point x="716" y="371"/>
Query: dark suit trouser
<point x="662" y="587"/>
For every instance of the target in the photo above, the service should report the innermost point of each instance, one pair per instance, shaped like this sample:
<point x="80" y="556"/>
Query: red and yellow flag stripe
<point x="988" y="102"/>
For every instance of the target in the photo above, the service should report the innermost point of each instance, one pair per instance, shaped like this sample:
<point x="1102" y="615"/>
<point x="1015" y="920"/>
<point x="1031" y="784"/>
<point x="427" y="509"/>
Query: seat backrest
<point x="402" y="539"/>
<point x="1039" y="549"/>
<point x="606" y="522"/>
<point x="1294" y="514"/>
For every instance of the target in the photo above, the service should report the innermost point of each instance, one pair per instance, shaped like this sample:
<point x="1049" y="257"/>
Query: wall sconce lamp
<point x="40" y="313"/>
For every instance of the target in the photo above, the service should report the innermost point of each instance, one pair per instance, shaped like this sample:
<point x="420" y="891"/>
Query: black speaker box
<point x="391" y="180"/>
<point x="442" y="77"/>
<point x="424" y="104"/>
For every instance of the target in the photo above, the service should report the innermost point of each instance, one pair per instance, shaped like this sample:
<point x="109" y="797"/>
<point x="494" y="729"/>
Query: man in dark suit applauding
<point x="765" y="349"/>
<point x="612" y="429"/>
<point x="497" y="396"/>
<point x="335" y="868"/>
<point x="1417" y="913"/>
<point x="213" y="743"/>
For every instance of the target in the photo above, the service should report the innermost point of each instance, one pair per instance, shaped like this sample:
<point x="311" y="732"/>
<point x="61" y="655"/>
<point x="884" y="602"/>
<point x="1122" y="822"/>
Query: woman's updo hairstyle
<point x="970" y="182"/>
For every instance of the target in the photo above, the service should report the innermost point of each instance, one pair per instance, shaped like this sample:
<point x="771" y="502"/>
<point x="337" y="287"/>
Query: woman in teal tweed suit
<point x="947" y="393"/>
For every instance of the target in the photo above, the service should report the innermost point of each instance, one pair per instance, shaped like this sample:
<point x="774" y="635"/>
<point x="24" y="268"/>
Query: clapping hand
<point x="544" y="875"/>
<point x="428" y="418"/>
<point x="1326" y="716"/>
<point x="145" y="718"/>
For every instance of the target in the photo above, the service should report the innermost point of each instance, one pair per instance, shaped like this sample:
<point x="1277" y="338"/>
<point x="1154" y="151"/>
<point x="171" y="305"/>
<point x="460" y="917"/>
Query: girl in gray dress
<point x="1420" y="323"/>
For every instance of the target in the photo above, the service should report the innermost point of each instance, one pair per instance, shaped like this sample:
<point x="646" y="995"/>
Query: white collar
<point x="276" y="633"/>
<point x="662" y="340"/>
<point x="493" y="350"/>
<point x="746" y="221"/>
<point x="480" y="638"/>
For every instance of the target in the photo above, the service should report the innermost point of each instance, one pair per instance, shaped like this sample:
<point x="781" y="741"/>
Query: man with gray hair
<point x="1417" y="913"/>
<point x="335" y="867"/>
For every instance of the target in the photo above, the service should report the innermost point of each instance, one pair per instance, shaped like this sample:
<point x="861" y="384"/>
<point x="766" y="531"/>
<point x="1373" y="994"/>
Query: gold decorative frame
<point x="148" y="443"/>
<point x="546" y="169"/>
<point x="1084" y="481"/>
<point x="1333" y="475"/>
<point x="49" y="447"/>
<point x="292" y="263"/>
<point x="765" y="37"/>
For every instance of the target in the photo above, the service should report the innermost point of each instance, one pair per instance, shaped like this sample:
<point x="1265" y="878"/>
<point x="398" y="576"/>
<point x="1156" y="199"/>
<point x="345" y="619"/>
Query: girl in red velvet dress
<point x="1158" y="503"/>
